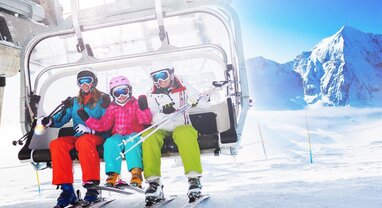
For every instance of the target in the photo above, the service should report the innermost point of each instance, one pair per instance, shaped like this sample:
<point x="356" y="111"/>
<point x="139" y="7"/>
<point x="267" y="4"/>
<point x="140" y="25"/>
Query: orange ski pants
<point x="62" y="163"/>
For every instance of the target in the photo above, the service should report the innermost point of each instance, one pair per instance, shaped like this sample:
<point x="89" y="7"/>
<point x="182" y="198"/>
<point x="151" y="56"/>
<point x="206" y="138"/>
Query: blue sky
<point x="280" y="30"/>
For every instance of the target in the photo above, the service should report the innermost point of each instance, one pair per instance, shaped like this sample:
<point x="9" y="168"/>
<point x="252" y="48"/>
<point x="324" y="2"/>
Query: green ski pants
<point x="185" y="137"/>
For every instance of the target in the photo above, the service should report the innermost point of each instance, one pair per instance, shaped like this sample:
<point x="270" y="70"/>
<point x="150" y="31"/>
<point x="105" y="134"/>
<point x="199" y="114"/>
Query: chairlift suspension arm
<point x="77" y="29"/>
<point x="163" y="36"/>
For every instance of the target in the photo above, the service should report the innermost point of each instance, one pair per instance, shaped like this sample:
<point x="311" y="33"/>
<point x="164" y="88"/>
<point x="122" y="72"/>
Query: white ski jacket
<point x="160" y="102"/>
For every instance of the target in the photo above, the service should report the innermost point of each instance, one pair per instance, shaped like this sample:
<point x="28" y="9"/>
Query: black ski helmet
<point x="86" y="72"/>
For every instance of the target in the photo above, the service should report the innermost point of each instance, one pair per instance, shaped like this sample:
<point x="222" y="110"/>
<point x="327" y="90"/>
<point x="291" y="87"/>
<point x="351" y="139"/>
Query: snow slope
<point x="346" y="169"/>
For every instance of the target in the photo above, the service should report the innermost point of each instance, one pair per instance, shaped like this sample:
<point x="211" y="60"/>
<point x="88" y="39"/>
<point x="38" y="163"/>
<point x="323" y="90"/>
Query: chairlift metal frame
<point x="234" y="62"/>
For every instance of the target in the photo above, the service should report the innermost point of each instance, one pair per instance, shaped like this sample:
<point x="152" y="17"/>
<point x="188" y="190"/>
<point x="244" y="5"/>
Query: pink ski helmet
<point x="118" y="81"/>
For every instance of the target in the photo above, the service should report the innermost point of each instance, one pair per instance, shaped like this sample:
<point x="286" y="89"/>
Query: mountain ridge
<point x="344" y="69"/>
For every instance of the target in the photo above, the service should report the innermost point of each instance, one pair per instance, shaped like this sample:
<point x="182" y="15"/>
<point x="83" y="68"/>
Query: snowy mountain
<point x="274" y="85"/>
<point x="344" y="69"/>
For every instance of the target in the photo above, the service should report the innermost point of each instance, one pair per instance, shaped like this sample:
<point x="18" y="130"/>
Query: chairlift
<point x="200" y="38"/>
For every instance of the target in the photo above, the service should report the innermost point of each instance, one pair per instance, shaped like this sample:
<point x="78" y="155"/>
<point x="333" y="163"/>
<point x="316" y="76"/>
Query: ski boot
<point x="90" y="184"/>
<point x="67" y="196"/>
<point x="112" y="179"/>
<point x="136" y="177"/>
<point x="121" y="184"/>
<point x="154" y="193"/>
<point x="195" y="189"/>
<point x="91" y="197"/>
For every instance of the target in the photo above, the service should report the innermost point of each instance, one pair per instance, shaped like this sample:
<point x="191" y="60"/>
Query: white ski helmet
<point x="161" y="65"/>
<point x="88" y="72"/>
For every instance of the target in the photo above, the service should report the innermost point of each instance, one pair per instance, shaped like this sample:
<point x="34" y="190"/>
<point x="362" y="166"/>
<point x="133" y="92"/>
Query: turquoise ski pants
<point x="185" y="137"/>
<point x="112" y="150"/>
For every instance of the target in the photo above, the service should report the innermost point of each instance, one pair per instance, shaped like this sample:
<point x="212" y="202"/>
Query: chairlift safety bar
<point x="137" y="56"/>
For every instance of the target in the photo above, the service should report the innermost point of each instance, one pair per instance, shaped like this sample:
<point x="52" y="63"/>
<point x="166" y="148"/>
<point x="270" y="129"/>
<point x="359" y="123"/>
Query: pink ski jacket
<point x="122" y="120"/>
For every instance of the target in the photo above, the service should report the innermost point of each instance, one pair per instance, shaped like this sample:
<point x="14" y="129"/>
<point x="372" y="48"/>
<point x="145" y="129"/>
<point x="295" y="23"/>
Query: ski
<point x="77" y="205"/>
<point x="133" y="188"/>
<point x="125" y="191"/>
<point x="197" y="201"/>
<point x="161" y="202"/>
<point x="100" y="204"/>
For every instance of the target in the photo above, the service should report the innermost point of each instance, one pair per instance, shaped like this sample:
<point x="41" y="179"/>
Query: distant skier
<point x="167" y="95"/>
<point x="85" y="140"/>
<point x="125" y="117"/>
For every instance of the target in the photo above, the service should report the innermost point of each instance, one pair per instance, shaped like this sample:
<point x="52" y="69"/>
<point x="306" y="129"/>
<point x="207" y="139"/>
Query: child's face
<point x="164" y="83"/>
<point x="123" y="98"/>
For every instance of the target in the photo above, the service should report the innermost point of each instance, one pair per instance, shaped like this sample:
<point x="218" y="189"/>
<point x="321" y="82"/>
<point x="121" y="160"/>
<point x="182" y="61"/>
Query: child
<point x="125" y="116"/>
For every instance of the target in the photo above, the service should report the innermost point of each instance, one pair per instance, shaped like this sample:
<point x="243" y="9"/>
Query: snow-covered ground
<point x="346" y="171"/>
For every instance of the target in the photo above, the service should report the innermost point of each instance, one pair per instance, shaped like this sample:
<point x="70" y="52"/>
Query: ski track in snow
<point x="346" y="170"/>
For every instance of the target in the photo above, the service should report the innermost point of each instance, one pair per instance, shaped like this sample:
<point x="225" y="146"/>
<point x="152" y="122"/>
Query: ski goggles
<point x="120" y="90"/>
<point x="84" y="80"/>
<point x="161" y="75"/>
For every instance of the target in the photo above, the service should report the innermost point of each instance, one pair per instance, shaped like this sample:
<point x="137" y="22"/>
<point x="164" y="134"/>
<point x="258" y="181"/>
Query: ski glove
<point x="105" y="101"/>
<point x="168" y="108"/>
<point x="82" y="114"/>
<point x="82" y="129"/>
<point x="142" y="102"/>
<point x="192" y="101"/>
<point x="45" y="121"/>
<point x="68" y="103"/>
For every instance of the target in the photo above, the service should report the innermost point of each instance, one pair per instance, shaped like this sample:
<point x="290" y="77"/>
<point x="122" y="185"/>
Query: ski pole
<point x="310" y="144"/>
<point x="262" y="142"/>
<point x="156" y="128"/>
<point x="38" y="182"/>
<point x="161" y="123"/>
<point x="171" y="116"/>
<point x="30" y="132"/>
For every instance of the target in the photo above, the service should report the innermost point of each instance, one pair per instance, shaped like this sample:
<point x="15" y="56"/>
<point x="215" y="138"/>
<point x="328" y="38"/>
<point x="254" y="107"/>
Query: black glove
<point x="45" y="121"/>
<point x="168" y="108"/>
<point x="68" y="103"/>
<point x="142" y="102"/>
<point x="82" y="114"/>
<point x="146" y="126"/>
<point x="105" y="101"/>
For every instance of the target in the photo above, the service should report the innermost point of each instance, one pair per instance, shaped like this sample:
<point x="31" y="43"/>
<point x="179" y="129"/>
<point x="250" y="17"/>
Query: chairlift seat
<point x="204" y="123"/>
